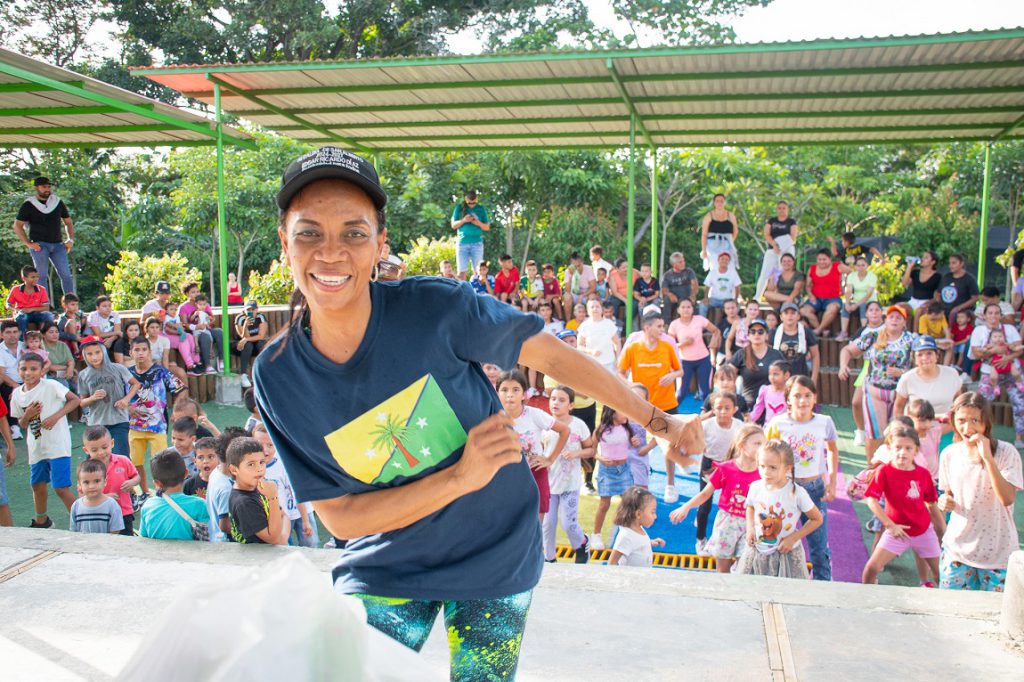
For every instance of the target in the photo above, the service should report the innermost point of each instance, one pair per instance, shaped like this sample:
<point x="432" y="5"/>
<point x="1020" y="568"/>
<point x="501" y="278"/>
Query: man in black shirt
<point x="958" y="289"/>
<point x="45" y="213"/>
<point x="679" y="282"/>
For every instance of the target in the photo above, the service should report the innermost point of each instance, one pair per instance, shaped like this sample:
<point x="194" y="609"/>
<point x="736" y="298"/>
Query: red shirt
<point x="906" y="493"/>
<point x="961" y="334"/>
<point x="506" y="283"/>
<point x="19" y="299"/>
<point x="552" y="287"/>
<point x="120" y="470"/>
<point x="829" y="286"/>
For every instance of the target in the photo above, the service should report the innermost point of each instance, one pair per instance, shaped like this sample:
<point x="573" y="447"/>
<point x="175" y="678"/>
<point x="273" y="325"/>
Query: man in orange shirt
<point x="653" y="363"/>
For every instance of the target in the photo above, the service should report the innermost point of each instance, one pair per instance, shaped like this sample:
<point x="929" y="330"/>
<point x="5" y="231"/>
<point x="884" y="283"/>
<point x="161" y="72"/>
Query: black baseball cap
<point x="163" y="287"/>
<point x="41" y="180"/>
<point x="330" y="162"/>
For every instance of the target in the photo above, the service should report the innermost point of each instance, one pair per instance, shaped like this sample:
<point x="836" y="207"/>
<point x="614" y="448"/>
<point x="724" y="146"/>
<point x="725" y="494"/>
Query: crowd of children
<point x="771" y="458"/>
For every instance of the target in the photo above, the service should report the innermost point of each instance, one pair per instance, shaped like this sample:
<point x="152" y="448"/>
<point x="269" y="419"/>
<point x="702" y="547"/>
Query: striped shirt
<point x="103" y="518"/>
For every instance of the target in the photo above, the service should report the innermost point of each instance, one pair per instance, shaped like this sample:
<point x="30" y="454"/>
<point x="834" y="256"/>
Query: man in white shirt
<point x="10" y="349"/>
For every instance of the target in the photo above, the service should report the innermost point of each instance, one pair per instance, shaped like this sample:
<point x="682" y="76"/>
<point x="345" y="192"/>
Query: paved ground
<point x="73" y="613"/>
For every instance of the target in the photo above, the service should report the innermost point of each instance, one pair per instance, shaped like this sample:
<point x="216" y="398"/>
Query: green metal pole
<point x="222" y="236"/>
<point x="983" y="242"/>
<point x="630" y="222"/>
<point x="654" y="212"/>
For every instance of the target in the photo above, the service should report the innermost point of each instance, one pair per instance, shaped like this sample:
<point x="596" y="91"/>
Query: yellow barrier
<point x="689" y="562"/>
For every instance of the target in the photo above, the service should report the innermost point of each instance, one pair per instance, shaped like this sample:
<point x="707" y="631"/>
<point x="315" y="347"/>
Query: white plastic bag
<point x="283" y="622"/>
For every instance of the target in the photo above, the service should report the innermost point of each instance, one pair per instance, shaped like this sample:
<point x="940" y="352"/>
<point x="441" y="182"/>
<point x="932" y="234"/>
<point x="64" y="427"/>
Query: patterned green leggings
<point x="484" y="635"/>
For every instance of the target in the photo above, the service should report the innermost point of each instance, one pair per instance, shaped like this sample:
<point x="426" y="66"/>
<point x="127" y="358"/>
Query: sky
<point x="785" y="20"/>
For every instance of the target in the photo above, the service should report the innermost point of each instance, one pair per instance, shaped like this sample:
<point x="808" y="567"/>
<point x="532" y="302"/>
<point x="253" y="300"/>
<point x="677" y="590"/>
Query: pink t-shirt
<point x="770" y="403"/>
<point x="734" y="484"/>
<point x="981" y="531"/>
<point x="120" y="470"/>
<point x="185" y="311"/>
<point x="614" y="443"/>
<point x="694" y="329"/>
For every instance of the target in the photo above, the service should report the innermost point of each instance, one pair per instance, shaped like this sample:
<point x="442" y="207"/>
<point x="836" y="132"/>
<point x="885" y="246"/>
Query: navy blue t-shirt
<point x="397" y="411"/>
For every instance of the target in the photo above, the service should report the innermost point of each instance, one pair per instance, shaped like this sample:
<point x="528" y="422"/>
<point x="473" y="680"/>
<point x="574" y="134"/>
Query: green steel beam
<point x="91" y="130"/>
<point x="636" y="120"/>
<point x="99" y="98"/>
<point x="690" y="132"/>
<point x="108" y="144"/>
<point x="34" y="86"/>
<point x="983" y="242"/>
<point x="630" y="221"/>
<point x="61" y="111"/>
<point x="282" y="112"/>
<point x="460" y="60"/>
<point x="655" y="99"/>
<point x="710" y="116"/>
<point x="1009" y="129"/>
<point x="682" y="145"/>
<point x="222" y="234"/>
<point x="637" y="78"/>
<point x="654" y="212"/>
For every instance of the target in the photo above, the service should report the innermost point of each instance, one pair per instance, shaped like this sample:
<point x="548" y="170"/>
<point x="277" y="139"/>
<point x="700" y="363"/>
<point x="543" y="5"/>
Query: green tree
<point x="252" y="178"/>
<point x="132" y="278"/>
<point x="300" y="30"/>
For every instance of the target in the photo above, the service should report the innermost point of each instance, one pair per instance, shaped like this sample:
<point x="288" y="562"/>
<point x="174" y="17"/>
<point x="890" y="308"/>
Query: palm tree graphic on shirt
<point x="393" y="432"/>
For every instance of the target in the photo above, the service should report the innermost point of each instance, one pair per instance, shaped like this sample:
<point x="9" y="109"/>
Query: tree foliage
<point x="132" y="279"/>
<point x="299" y="30"/>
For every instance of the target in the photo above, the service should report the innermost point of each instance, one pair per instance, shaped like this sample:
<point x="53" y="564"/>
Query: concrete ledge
<point x="559" y="577"/>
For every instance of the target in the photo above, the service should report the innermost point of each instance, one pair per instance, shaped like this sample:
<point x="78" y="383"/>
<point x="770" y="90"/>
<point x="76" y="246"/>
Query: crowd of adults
<point x="708" y="319"/>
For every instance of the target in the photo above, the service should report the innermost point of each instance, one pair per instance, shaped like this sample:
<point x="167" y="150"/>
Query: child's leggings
<point x="484" y="635"/>
<point x="564" y="509"/>
<point x="187" y="348"/>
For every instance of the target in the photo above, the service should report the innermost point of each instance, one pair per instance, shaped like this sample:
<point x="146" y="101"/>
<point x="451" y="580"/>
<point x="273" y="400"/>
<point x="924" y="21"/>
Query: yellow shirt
<point x="934" y="328"/>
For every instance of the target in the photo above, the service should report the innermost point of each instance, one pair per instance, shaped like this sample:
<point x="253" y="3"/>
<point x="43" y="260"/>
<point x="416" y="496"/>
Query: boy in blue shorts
<point x="41" y="406"/>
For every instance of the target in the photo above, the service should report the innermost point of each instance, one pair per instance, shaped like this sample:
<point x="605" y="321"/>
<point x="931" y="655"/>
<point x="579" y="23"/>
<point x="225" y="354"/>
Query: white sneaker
<point x="15" y="432"/>
<point x="858" y="437"/>
<point x="671" y="494"/>
<point x="596" y="542"/>
<point x="246" y="383"/>
<point x="702" y="547"/>
<point x="531" y="392"/>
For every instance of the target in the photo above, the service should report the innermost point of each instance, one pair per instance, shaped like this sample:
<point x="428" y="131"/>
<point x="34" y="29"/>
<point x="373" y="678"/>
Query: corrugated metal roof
<point x="46" y="106"/>
<point x="932" y="88"/>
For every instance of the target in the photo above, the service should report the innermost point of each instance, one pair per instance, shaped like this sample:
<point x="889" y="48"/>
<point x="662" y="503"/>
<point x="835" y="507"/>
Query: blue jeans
<point x="40" y="317"/>
<point x="817" y="542"/>
<point x="300" y="538"/>
<point x="702" y="368"/>
<point x="862" y="310"/>
<point x="464" y="253"/>
<point x="119" y="432"/>
<point x="56" y="253"/>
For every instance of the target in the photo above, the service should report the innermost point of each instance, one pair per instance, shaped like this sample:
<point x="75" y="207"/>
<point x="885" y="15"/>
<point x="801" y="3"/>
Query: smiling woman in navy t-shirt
<point x="377" y="403"/>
